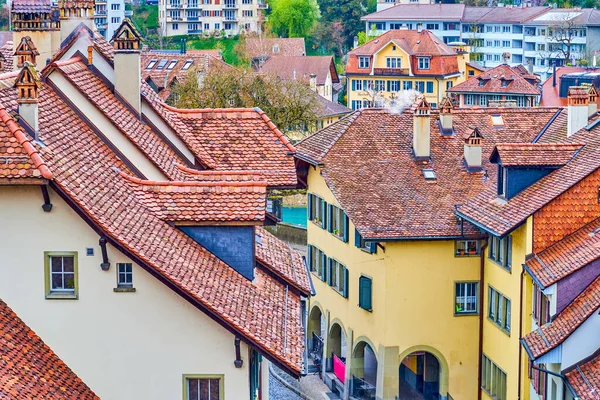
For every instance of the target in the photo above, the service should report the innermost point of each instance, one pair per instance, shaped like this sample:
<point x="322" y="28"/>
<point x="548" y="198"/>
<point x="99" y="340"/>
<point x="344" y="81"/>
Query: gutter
<point x="562" y="377"/>
<point x="481" y="294"/>
<point x="520" y="333"/>
<point x="307" y="159"/>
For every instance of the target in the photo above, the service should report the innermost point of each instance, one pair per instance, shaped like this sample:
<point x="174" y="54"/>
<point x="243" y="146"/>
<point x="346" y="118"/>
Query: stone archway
<point x="423" y="374"/>
<point x="363" y="371"/>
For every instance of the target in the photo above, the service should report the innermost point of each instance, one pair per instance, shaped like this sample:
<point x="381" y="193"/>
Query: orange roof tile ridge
<point x="62" y="63"/>
<point x="24" y="141"/>
<point x="145" y="182"/>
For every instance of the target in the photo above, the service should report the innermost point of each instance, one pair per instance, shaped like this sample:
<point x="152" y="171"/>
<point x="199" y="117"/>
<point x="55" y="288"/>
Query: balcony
<point x="391" y="71"/>
<point x="193" y="18"/>
<point x="230" y="19"/>
<point x="230" y="6"/>
<point x="263" y="6"/>
<point x="174" y="5"/>
<point x="194" y="31"/>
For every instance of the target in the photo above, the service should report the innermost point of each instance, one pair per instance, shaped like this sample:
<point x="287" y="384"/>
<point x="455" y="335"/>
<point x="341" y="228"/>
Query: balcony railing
<point x="193" y="18"/>
<point x="391" y="71"/>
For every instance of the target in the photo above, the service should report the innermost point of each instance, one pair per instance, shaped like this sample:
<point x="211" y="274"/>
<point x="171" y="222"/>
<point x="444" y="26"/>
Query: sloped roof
<point x="263" y="47"/>
<point x="29" y="369"/>
<point x="515" y="15"/>
<point x="291" y="67"/>
<point x="370" y="151"/>
<point x="535" y="154"/>
<point x="420" y="12"/>
<point x="549" y="336"/>
<point x="31" y="6"/>
<point x="573" y="252"/>
<point x="551" y="94"/>
<point x="329" y="108"/>
<point x="585" y="379"/>
<point x="500" y="79"/>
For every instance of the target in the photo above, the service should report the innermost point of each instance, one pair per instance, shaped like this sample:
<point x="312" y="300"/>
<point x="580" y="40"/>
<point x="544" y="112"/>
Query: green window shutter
<point x="324" y="214"/>
<point x="508" y="251"/>
<point x="356" y="238"/>
<point x="345" y="221"/>
<point x="388" y="86"/>
<point x="365" y="295"/>
<point x="329" y="218"/>
<point x="329" y="271"/>
<point x="324" y="267"/>
<point x="346" y="282"/>
<point x="310" y="253"/>
<point x="373" y="247"/>
<point x="309" y="209"/>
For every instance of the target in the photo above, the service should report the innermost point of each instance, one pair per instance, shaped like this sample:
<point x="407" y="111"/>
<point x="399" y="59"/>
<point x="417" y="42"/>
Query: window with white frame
<point x="124" y="275"/>
<point x="187" y="65"/>
<point x="466" y="298"/>
<point x="364" y="62"/>
<point x="393" y="62"/>
<point x="338" y="224"/>
<point x="469" y="99"/>
<point x="115" y="20"/>
<point x="152" y="63"/>
<point x="423" y="62"/>
<point x="467" y="247"/>
<point x="394" y="86"/>
<point x="203" y="387"/>
<point x="357" y="84"/>
<point x="61" y="274"/>
<point x="499" y="309"/>
<point x="115" y="7"/>
<point x="171" y="64"/>
<point x="316" y="261"/>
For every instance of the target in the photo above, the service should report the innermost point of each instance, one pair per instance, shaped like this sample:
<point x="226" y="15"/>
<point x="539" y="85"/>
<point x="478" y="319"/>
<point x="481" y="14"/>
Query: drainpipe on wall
<point x="481" y="292"/>
<point x="520" y="333"/>
<point x="563" y="378"/>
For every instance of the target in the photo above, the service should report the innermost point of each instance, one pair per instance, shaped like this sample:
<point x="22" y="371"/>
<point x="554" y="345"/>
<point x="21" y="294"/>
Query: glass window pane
<point x="193" y="389"/>
<point x="68" y="264"/>
<point x="204" y="389"/>
<point x="56" y="263"/>
<point x="57" y="282"/>
<point x="69" y="281"/>
<point x="214" y="389"/>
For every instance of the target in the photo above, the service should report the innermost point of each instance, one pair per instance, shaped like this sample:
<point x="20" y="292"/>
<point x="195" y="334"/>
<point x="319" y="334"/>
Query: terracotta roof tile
<point x="573" y="252"/>
<point x="31" y="6"/>
<point x="281" y="258"/>
<point x="535" y="154"/>
<point x="500" y="79"/>
<point x="264" y="47"/>
<point x="296" y="67"/>
<point x="329" y="108"/>
<point x="370" y="151"/>
<point x="547" y="337"/>
<point x="551" y="94"/>
<point x="29" y="369"/>
<point x="7" y="53"/>
<point x="585" y="379"/>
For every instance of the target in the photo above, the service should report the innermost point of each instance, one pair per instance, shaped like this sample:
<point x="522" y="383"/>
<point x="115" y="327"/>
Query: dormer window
<point x="423" y="62"/>
<point x="151" y="64"/>
<point x="364" y="62"/>
<point x="482" y="82"/>
<point x="276" y="48"/>
<point x="504" y="83"/>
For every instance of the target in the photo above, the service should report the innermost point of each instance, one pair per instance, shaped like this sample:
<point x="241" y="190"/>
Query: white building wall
<point x="583" y="342"/>
<point x="123" y="345"/>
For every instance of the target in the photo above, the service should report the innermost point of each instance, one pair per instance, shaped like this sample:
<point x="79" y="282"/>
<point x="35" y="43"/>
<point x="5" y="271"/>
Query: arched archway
<point x="316" y="338"/>
<point x="336" y="340"/>
<point x="363" y="371"/>
<point x="423" y="374"/>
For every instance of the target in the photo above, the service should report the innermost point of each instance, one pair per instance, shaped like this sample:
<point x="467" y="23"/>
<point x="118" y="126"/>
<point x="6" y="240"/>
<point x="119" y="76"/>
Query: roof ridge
<point x="24" y="141"/>
<point x="216" y="172"/>
<point x="145" y="182"/>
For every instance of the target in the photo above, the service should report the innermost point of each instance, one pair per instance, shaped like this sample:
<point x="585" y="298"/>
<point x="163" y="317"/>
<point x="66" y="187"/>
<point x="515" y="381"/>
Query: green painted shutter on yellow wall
<point x="365" y="287"/>
<point x="310" y="207"/>
<point x="345" y="282"/>
<point x="346" y="224"/>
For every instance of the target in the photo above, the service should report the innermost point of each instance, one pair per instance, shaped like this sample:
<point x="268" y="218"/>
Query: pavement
<point x="310" y="387"/>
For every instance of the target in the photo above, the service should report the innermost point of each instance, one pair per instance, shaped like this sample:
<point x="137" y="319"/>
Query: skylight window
<point x="429" y="174"/>
<point x="497" y="121"/>
<point x="161" y="64"/>
<point x="151" y="64"/>
<point x="172" y="64"/>
<point x="187" y="65"/>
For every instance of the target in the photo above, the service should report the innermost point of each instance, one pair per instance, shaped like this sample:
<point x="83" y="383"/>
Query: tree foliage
<point x="293" y="18"/>
<point x="291" y="104"/>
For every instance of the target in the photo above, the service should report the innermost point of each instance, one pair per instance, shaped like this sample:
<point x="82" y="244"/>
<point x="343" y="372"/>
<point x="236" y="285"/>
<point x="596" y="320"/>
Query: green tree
<point x="293" y="18"/>
<point x="347" y="12"/>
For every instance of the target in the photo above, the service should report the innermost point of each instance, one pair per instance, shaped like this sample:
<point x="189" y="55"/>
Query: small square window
<point x="465" y="248"/>
<point x="89" y="251"/>
<point x="203" y="387"/>
<point x="429" y="174"/>
<point x="124" y="277"/>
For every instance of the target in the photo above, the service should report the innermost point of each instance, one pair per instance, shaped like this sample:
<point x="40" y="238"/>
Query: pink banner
<point x="339" y="368"/>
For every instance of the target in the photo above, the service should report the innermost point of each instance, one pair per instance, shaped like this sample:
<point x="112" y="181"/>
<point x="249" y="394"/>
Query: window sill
<point x="61" y="296"/>
<point x="368" y="251"/>
<point x="124" y="289"/>
<point x="340" y="292"/>
<point x="319" y="224"/>
<point x="317" y="275"/>
<point x="338" y="237"/>
<point x="507" y="333"/>
<point x="466" y="255"/>
<point x="466" y="314"/>
<point x="366" y="309"/>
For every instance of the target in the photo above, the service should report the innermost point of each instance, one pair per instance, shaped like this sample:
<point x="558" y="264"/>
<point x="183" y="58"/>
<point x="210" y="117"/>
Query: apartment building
<point x="192" y="17"/>
<point x="540" y="36"/>
<point x="108" y="15"/>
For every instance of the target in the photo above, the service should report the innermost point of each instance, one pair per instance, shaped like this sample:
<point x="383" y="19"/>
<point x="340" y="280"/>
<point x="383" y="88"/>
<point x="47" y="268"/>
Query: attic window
<point x="497" y="121"/>
<point x="151" y="64"/>
<point x="161" y="64"/>
<point x="504" y="83"/>
<point x="429" y="174"/>
<point x="172" y="64"/>
<point x="187" y="65"/>
<point x="481" y="82"/>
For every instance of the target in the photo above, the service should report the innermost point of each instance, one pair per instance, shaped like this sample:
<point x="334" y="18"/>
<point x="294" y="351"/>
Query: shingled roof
<point x="548" y="337"/>
<point x="31" y="6"/>
<point x="297" y="67"/>
<point x="585" y="378"/>
<point x="501" y="79"/>
<point x="29" y="369"/>
<point x="535" y="154"/>
<point x="267" y="47"/>
<point x="370" y="151"/>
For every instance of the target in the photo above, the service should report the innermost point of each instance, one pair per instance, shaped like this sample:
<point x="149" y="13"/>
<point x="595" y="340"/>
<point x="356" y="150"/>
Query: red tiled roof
<point x="492" y="81"/>
<point x="7" y="53"/>
<point x="263" y="47"/>
<point x="29" y="369"/>
<point x="291" y="67"/>
<point x="535" y="154"/>
<point x="585" y="379"/>
<point x="209" y="52"/>
<point x="204" y="201"/>
<point x="566" y="256"/>
<point x="31" y="6"/>
<point x="281" y="258"/>
<point x="370" y="151"/>
<point x="329" y="108"/>
<point x="443" y="58"/>
<point x="551" y="94"/>
<point x="19" y="157"/>
<point x="547" y="337"/>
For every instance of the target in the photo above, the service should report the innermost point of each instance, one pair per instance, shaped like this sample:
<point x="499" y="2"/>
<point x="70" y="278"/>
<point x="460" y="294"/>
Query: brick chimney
<point x="593" y="104"/>
<point x="421" y="129"/>
<point x="27" y="85"/>
<point x="313" y="82"/>
<point x="446" y="107"/>
<point x="26" y="52"/>
<point x="472" y="149"/>
<point x="577" y="110"/>
<point x="127" y="44"/>
<point x="73" y="13"/>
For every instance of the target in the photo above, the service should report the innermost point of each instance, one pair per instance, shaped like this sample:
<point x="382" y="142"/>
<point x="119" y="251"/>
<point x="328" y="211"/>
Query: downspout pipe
<point x="520" y="333"/>
<point x="481" y="311"/>
<point x="561" y="376"/>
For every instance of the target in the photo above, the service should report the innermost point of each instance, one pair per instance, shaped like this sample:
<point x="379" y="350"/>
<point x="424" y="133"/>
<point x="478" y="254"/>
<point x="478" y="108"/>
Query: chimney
<point x="421" y="129"/>
<point x="26" y="52"/>
<point x="593" y="104"/>
<point x="446" y="107"/>
<point x="73" y="13"/>
<point x="530" y="66"/>
<point x="126" y="42"/>
<point x="313" y="82"/>
<point x="90" y="55"/>
<point x="419" y="27"/>
<point x="554" y="74"/>
<point x="472" y="149"/>
<point x="355" y="42"/>
<point x="505" y="57"/>
<point x="27" y="85"/>
<point x="577" y="110"/>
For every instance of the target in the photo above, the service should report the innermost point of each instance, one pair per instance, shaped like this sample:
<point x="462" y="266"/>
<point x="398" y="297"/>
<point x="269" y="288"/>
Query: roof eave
<point x="308" y="160"/>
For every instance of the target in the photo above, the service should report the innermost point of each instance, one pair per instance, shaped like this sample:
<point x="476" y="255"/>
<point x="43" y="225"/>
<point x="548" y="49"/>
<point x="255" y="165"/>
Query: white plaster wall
<point x="113" y="134"/>
<point x="123" y="345"/>
<point x="583" y="342"/>
<point x="81" y="45"/>
<point x="128" y="77"/>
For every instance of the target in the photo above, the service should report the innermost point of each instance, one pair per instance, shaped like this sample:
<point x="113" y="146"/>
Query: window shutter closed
<point x="509" y="251"/>
<point x="310" y="252"/>
<point x="356" y="238"/>
<point x="345" y="228"/>
<point x="324" y="267"/>
<point x="329" y="271"/>
<point x="365" y="293"/>
<point x="309" y="207"/>
<point x="346" y="282"/>
<point x="329" y="218"/>
<point x="388" y="86"/>
<point x="373" y="247"/>
<point x="324" y="213"/>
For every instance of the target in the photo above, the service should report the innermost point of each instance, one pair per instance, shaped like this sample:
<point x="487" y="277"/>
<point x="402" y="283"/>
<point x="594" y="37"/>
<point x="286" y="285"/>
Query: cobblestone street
<point x="311" y="387"/>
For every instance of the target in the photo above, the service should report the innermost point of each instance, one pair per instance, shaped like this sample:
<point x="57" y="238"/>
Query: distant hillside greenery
<point x="4" y="16"/>
<point x="145" y="18"/>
